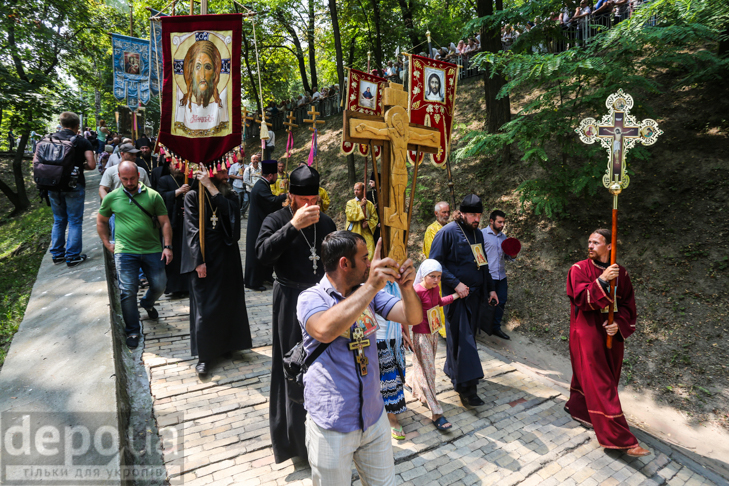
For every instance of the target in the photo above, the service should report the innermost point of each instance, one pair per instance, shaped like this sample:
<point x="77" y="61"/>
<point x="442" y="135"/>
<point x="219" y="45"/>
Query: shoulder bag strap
<point x="138" y="205"/>
<point x="317" y="352"/>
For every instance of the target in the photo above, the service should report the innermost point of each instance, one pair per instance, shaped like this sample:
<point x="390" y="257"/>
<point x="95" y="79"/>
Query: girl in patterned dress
<point x="391" y="343"/>
<point x="425" y="341"/>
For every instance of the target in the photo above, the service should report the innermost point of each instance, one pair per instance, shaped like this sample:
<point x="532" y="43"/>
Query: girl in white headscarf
<point x="425" y="339"/>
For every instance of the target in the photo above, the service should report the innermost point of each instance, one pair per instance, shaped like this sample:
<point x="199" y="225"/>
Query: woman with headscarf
<point x="425" y="340"/>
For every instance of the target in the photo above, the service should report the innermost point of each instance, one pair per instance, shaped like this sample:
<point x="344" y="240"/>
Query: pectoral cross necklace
<point x="313" y="257"/>
<point x="214" y="217"/>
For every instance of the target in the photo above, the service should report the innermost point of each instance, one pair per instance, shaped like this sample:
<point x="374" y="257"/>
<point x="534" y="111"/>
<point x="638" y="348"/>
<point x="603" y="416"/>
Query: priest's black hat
<point x="304" y="181"/>
<point x="471" y="204"/>
<point x="269" y="167"/>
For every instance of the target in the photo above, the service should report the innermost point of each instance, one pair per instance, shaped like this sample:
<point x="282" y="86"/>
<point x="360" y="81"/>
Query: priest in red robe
<point x="595" y="368"/>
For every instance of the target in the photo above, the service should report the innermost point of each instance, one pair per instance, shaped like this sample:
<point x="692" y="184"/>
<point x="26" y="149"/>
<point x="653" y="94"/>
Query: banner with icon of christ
<point x="433" y="87"/>
<point x="130" y="57"/>
<point x="201" y="116"/>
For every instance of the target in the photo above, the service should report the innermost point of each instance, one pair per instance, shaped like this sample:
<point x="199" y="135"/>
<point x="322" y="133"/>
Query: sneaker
<point x="133" y="341"/>
<point x="76" y="260"/>
<point x="57" y="260"/>
<point x="152" y="313"/>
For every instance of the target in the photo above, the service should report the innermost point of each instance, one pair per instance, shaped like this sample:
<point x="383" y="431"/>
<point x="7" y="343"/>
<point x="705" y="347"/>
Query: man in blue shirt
<point x="493" y="237"/>
<point x="345" y="413"/>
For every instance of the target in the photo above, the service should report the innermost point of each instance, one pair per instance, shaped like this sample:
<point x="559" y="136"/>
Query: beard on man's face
<point x="203" y="95"/>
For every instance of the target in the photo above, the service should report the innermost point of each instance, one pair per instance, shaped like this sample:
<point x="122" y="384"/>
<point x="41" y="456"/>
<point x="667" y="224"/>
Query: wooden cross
<point x="358" y="344"/>
<point x="399" y="136"/>
<point x="618" y="132"/>
<point x="290" y="123"/>
<point x="313" y="121"/>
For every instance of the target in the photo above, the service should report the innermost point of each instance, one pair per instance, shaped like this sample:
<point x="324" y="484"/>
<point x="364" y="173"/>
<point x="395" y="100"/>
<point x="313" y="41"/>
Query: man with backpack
<point x="139" y="213"/>
<point x="58" y="170"/>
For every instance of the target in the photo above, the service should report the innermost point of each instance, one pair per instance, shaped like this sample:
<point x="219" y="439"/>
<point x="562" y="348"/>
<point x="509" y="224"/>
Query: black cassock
<point x="166" y="186"/>
<point x="218" y="316"/>
<point x="452" y="249"/>
<point x="281" y="245"/>
<point x="157" y="174"/>
<point x="263" y="203"/>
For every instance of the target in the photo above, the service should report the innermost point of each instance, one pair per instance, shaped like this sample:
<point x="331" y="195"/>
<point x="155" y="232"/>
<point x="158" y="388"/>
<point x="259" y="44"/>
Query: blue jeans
<point x="502" y="289"/>
<point x="68" y="210"/>
<point x="127" y="269"/>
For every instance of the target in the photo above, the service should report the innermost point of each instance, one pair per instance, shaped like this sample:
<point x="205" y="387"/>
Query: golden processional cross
<point x="398" y="136"/>
<point x="618" y="132"/>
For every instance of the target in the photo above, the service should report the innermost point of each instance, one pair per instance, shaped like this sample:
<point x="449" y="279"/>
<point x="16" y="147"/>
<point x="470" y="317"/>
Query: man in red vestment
<point x="595" y="368"/>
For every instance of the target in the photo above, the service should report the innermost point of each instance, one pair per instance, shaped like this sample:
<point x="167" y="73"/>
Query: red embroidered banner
<point x="432" y="98"/>
<point x="364" y="95"/>
<point x="201" y="106"/>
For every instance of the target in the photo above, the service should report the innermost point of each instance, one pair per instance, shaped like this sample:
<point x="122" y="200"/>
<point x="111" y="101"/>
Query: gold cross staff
<point x="358" y="344"/>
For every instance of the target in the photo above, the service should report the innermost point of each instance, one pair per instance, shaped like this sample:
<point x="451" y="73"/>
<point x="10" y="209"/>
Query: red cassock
<point x="595" y="368"/>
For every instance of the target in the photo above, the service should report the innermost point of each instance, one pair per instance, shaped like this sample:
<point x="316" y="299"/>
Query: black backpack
<point x="53" y="163"/>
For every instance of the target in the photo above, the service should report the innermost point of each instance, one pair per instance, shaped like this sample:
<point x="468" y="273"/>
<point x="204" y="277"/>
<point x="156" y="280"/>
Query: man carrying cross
<point x="346" y="419"/>
<point x="290" y="240"/>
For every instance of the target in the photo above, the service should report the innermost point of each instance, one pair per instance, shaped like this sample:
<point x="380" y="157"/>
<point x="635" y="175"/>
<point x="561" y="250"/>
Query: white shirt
<point x="114" y="159"/>
<point x="251" y="175"/>
<point x="111" y="178"/>
<point x="271" y="142"/>
<point x="237" y="170"/>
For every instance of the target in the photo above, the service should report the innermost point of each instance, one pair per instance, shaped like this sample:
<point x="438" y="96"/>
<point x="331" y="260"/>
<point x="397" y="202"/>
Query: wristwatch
<point x="168" y="247"/>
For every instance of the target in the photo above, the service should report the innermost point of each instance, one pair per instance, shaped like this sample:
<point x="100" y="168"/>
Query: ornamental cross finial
<point x="618" y="132"/>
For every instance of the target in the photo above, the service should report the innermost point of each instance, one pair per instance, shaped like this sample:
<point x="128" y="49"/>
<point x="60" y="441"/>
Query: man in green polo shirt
<point x="137" y="244"/>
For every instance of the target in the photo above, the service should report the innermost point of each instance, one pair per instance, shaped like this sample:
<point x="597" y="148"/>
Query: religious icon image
<point x="435" y="85"/>
<point x="590" y="130"/>
<point x="132" y="64"/>
<point x="367" y="94"/>
<point x="619" y="104"/>
<point x="368" y="322"/>
<point x="478" y="255"/>
<point x="202" y="84"/>
<point x="646" y="132"/>
<point x="434" y="321"/>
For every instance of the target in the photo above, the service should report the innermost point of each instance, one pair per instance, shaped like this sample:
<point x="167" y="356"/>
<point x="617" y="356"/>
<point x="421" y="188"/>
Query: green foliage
<point x="23" y="241"/>
<point x="564" y="87"/>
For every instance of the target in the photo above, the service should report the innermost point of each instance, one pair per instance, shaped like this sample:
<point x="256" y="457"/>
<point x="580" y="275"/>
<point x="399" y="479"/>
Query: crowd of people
<point x="352" y="311"/>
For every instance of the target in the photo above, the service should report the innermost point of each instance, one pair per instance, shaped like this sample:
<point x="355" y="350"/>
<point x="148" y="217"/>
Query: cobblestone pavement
<point x="521" y="435"/>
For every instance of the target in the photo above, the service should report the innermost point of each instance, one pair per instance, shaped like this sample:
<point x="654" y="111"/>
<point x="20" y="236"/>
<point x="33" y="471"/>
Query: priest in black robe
<point x="455" y="247"/>
<point x="262" y="203"/>
<point x="218" y="316"/>
<point x="159" y="172"/>
<point x="290" y="240"/>
<point x="173" y="189"/>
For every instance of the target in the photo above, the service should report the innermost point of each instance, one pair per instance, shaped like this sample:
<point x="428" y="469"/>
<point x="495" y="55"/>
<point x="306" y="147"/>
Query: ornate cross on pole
<point x="618" y="132"/>
<point x="399" y="136"/>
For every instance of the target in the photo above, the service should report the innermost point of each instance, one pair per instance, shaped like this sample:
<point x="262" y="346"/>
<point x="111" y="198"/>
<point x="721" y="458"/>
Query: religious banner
<point x="131" y="64"/>
<point x="201" y="106"/>
<point x="364" y="95"/>
<point x="156" y="70"/>
<point x="433" y="87"/>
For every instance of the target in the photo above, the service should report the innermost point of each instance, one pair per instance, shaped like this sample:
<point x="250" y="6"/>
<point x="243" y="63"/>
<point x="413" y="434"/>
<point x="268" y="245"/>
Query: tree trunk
<point x="351" y="170"/>
<point x="350" y="63"/>
<point x="378" y="36"/>
<point x="311" y="46"/>
<point x="407" y="19"/>
<point x="253" y="80"/>
<point x="724" y="43"/>
<point x="498" y="111"/>
<point x="298" y="49"/>
<point x="337" y="42"/>
<point x="19" y="198"/>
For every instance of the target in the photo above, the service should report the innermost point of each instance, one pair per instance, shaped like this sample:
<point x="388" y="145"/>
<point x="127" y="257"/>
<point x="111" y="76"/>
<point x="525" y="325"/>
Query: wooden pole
<point x="379" y="194"/>
<point x="412" y="193"/>
<point x="201" y="220"/>
<point x="613" y="258"/>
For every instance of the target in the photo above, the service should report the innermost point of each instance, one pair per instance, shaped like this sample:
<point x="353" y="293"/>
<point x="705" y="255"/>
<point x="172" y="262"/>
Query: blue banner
<point x="130" y="59"/>
<point x="156" y="71"/>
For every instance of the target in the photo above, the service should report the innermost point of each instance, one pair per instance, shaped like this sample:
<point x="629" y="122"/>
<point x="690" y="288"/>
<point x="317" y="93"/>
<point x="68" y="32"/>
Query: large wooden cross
<point x="313" y="121"/>
<point x="395" y="132"/>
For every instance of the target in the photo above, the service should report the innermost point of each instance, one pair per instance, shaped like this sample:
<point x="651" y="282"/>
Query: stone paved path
<point x="521" y="436"/>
